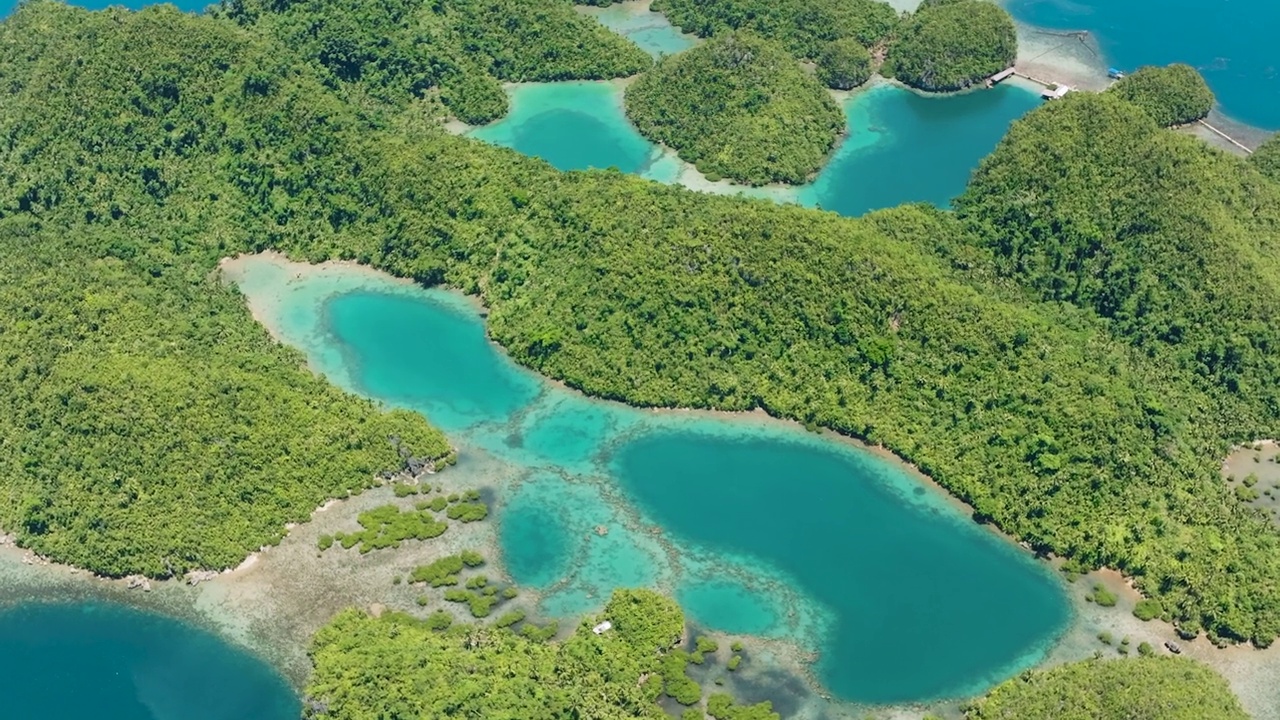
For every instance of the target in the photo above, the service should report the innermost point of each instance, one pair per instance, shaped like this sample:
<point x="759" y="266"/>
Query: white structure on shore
<point x="1056" y="93"/>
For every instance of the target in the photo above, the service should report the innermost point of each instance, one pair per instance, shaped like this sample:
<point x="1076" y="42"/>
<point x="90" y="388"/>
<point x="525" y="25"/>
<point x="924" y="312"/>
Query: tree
<point x="1267" y="158"/>
<point x="844" y="64"/>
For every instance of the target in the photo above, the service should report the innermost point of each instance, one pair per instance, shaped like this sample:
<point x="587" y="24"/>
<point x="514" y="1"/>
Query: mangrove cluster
<point x="429" y="668"/>
<point x="738" y="106"/>
<point x="1168" y="688"/>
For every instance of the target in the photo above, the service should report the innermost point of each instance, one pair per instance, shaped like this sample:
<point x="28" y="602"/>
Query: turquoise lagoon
<point x="650" y="30"/>
<point x="1232" y="42"/>
<point x="901" y="146"/>
<point x="110" y="662"/>
<point x="906" y="147"/>
<point x="575" y="126"/>
<point x="757" y="527"/>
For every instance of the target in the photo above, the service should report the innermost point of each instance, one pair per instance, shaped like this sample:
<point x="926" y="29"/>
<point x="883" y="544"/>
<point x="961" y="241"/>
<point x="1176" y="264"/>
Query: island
<point x="951" y="45"/>
<point x="738" y="106"/>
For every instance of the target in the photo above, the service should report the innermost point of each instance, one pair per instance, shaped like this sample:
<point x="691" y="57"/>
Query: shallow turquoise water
<point x="756" y="526"/>
<point x="573" y="126"/>
<point x="1232" y="42"/>
<point x="904" y="147"/>
<point x="110" y="662"/>
<point x="453" y="369"/>
<point x="650" y="30"/>
<point x="924" y="604"/>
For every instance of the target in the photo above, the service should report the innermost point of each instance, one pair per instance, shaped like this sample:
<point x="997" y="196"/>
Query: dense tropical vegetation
<point x="146" y="423"/>
<point x="398" y="666"/>
<point x="459" y="50"/>
<point x="1090" y="203"/>
<point x="952" y="45"/>
<point x="804" y="27"/>
<point x="844" y="64"/>
<point x="1171" y="95"/>
<point x="1266" y="158"/>
<point x="1168" y="688"/>
<point x="1071" y="351"/>
<point x="738" y="106"/>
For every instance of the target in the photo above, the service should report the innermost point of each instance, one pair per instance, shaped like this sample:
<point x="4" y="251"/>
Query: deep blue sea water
<point x="105" y="661"/>
<point x="1232" y="42"/>
<point x="756" y="526"/>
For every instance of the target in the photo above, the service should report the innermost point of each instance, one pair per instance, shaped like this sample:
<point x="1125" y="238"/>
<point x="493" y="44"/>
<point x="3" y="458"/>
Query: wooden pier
<point x="998" y="77"/>
<point x="1226" y="137"/>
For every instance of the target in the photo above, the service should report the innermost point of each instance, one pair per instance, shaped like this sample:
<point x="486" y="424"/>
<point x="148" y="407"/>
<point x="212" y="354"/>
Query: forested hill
<point x="738" y="106"/>
<point x="144" y="146"/>
<point x="147" y="424"/>
<point x="803" y="26"/>
<point x="1173" y="243"/>
<point x="457" y="49"/>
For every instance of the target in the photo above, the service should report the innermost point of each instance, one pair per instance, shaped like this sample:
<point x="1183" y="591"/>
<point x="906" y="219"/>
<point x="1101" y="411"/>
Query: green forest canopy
<point x="396" y="666"/>
<point x="1164" y="687"/>
<point x="844" y="64"/>
<point x="804" y="27"/>
<point x="459" y="49"/>
<point x="1171" y="95"/>
<point x="952" y="45"/>
<point x="1267" y="158"/>
<point x="145" y="146"/>
<point x="738" y="106"/>
<point x="147" y="423"/>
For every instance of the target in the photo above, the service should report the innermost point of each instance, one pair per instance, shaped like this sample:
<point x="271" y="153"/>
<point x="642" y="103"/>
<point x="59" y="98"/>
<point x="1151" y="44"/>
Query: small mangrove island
<point x="738" y="106"/>
<point x="951" y="45"/>
<point x="612" y="667"/>
<point x="1172" y="95"/>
